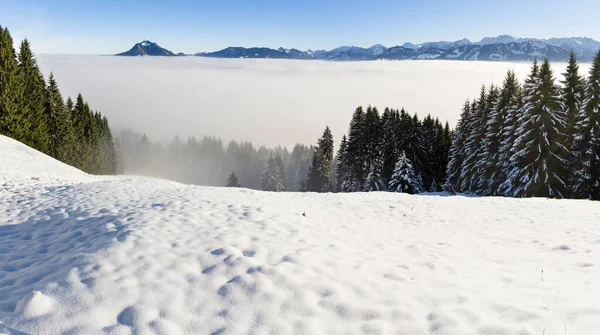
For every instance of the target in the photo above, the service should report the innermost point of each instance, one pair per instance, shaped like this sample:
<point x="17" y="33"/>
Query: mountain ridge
<point x="499" y="48"/>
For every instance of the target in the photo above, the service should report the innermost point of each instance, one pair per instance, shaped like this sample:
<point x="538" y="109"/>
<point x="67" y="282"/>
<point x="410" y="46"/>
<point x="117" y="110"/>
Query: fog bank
<point x="268" y="102"/>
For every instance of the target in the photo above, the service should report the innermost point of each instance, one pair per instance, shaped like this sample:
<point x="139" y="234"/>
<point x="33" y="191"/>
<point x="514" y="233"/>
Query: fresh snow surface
<point x="132" y="255"/>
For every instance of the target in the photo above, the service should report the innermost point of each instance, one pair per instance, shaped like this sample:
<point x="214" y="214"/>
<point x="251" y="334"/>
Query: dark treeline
<point x="33" y="112"/>
<point x="538" y="139"/>
<point x="393" y="151"/>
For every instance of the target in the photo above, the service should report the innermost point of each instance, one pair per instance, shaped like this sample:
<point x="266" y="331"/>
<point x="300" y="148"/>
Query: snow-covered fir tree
<point x="484" y="165"/>
<point x="404" y="178"/>
<point x="542" y="156"/>
<point x="232" y="181"/>
<point x="375" y="182"/>
<point x="390" y="124"/>
<point x="476" y="127"/>
<point x="355" y="161"/>
<point x="572" y="95"/>
<point x="587" y="138"/>
<point x="340" y="166"/>
<point x="457" y="151"/>
<point x="517" y="143"/>
<point x="280" y="167"/>
<point x="508" y="134"/>
<point x="271" y="180"/>
<point x="318" y="178"/>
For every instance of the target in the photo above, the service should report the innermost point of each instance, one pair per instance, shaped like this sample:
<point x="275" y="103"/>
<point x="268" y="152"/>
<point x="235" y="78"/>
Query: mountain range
<point x="500" y="48"/>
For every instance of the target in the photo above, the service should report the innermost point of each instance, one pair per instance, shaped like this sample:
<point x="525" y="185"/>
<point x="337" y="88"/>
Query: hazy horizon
<point x="108" y="27"/>
<point x="265" y="101"/>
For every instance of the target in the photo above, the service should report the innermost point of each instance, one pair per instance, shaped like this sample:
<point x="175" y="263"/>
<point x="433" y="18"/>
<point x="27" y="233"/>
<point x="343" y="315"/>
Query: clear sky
<point x="110" y="26"/>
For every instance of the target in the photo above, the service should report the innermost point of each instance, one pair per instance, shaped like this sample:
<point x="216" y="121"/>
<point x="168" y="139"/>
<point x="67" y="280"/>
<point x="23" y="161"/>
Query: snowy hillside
<point x="88" y="255"/>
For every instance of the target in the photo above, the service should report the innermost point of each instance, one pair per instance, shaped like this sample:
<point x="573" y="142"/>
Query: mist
<point x="264" y="101"/>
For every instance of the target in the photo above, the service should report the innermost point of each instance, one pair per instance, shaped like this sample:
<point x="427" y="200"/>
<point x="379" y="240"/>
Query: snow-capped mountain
<point x="147" y="48"/>
<point x="500" y="48"/>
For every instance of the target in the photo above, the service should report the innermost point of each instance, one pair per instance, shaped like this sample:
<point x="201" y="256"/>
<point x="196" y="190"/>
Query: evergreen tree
<point x="586" y="183"/>
<point x="280" y="167"/>
<point x="33" y="125"/>
<point x="431" y="144"/>
<point x="413" y="143"/>
<point x="340" y="168"/>
<point x="11" y="89"/>
<point x="355" y="158"/>
<point x="484" y="167"/>
<point x="497" y="119"/>
<point x="501" y="181"/>
<point x="439" y="156"/>
<point x="390" y="124"/>
<point x="516" y="142"/>
<point x="572" y="95"/>
<point x="271" y="181"/>
<point x="232" y="181"/>
<point x="470" y="172"/>
<point x="542" y="154"/>
<point x="375" y="180"/>
<point x="404" y="179"/>
<point x="457" y="151"/>
<point x="318" y="177"/>
<point x="372" y="135"/>
<point x="56" y="116"/>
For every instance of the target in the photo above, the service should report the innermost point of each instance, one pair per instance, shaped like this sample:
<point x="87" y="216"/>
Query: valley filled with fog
<point x="267" y="102"/>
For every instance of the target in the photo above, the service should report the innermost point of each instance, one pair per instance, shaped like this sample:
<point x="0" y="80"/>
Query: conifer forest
<point x="33" y="111"/>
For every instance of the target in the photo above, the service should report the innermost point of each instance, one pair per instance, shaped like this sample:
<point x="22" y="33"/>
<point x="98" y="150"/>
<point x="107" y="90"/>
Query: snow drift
<point x="87" y="255"/>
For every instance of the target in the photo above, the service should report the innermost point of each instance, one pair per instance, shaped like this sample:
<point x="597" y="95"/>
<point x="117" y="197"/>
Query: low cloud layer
<point x="268" y="102"/>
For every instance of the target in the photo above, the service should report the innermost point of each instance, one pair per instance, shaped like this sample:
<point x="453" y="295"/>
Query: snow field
<point x="125" y="255"/>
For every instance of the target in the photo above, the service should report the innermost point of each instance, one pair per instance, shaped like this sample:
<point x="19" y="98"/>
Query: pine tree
<point x="340" y="168"/>
<point x="68" y="150"/>
<point x="430" y="143"/>
<point x="232" y="181"/>
<point x="390" y="123"/>
<point x="56" y="116"/>
<point x="271" y="181"/>
<point x="497" y="120"/>
<point x="587" y="139"/>
<point x="372" y="135"/>
<point x="470" y="172"/>
<point x="502" y="181"/>
<point x="375" y="180"/>
<point x="280" y="168"/>
<point x="11" y="89"/>
<point x="318" y="177"/>
<point x="439" y="156"/>
<point x="445" y="160"/>
<point x="33" y="123"/>
<point x="404" y="179"/>
<point x="413" y="143"/>
<point x="516" y="143"/>
<point x="542" y="154"/>
<point x="355" y="160"/>
<point x="458" y="151"/>
<point x="572" y="95"/>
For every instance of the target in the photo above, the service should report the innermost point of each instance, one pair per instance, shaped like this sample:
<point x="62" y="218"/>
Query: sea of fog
<point x="266" y="101"/>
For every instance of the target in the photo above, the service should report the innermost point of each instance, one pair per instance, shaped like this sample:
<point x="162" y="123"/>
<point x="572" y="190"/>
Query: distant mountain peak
<point x="146" y="48"/>
<point x="499" y="48"/>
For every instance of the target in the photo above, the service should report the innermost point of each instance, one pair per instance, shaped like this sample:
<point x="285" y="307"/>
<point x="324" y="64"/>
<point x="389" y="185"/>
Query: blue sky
<point x="103" y="27"/>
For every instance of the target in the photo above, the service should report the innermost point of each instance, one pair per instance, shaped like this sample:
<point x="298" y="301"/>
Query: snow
<point x="86" y="255"/>
<point x="455" y="53"/>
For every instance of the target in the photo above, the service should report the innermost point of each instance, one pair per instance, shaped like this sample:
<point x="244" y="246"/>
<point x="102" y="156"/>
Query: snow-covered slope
<point x="125" y="255"/>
